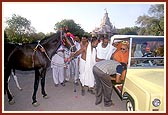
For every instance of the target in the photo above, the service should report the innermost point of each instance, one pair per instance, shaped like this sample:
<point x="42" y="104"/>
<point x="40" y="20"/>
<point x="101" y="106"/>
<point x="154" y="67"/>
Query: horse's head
<point x="68" y="42"/>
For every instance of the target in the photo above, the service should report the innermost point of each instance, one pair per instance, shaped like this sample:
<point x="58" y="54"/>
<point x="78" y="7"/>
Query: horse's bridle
<point x="62" y="41"/>
<point x="35" y="49"/>
<point x="38" y="46"/>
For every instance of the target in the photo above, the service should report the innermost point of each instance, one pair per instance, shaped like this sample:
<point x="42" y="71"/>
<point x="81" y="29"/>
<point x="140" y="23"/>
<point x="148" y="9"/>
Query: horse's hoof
<point x="46" y="97"/>
<point x="35" y="104"/>
<point x="20" y="89"/>
<point x="12" y="102"/>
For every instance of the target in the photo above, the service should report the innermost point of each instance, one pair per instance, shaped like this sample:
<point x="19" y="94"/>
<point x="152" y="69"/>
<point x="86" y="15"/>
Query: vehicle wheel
<point x="130" y="105"/>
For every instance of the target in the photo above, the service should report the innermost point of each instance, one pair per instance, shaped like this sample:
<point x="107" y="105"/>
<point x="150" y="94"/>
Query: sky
<point x="44" y="15"/>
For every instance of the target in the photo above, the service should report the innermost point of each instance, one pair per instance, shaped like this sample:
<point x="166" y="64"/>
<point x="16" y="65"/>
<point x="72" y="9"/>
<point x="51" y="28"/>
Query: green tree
<point x="37" y="36"/>
<point x="40" y="36"/>
<point x="129" y="31"/>
<point x="72" y="26"/>
<point x="152" y="24"/>
<point x="19" y="29"/>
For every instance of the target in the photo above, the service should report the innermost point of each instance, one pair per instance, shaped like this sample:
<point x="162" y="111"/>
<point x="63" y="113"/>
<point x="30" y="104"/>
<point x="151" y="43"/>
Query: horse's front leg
<point x="43" y="74"/>
<point x="36" y="83"/>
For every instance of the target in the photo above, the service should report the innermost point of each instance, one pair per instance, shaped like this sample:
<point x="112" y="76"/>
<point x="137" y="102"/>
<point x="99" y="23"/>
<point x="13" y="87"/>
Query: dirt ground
<point x="62" y="99"/>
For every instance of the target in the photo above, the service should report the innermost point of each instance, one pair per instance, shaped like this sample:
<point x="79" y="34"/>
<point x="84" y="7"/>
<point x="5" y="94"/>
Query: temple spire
<point x="106" y="28"/>
<point x="105" y="10"/>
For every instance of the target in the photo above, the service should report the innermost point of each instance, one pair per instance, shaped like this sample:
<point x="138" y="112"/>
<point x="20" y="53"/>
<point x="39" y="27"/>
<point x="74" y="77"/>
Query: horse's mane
<point x="48" y="38"/>
<point x="12" y="43"/>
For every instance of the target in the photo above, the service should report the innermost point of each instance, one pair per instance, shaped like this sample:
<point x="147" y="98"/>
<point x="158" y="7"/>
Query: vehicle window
<point x="147" y="52"/>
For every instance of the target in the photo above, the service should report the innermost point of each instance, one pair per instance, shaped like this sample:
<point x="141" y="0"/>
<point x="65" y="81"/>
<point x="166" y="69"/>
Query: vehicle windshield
<point x="147" y="52"/>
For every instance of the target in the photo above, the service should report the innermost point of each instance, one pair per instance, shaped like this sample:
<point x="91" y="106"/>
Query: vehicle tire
<point x="130" y="106"/>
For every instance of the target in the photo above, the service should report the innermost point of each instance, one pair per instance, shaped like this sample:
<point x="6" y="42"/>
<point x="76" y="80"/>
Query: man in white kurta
<point x="105" y="49"/>
<point x="57" y="65"/>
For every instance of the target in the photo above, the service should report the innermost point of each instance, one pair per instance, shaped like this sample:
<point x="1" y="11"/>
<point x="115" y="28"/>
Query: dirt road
<point x="62" y="99"/>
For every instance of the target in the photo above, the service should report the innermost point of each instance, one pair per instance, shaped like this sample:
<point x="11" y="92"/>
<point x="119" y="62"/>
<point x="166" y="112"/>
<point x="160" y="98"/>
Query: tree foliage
<point x="152" y="24"/>
<point x="129" y="31"/>
<point x="72" y="26"/>
<point x="19" y="29"/>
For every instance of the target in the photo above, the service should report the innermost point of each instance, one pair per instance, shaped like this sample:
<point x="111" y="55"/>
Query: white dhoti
<point x="85" y="68"/>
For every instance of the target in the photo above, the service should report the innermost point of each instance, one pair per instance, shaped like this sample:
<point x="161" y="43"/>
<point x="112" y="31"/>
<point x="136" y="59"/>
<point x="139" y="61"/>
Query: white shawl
<point x="86" y="74"/>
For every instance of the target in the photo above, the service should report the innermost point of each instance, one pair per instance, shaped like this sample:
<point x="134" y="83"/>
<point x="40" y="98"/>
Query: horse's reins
<point x="43" y="50"/>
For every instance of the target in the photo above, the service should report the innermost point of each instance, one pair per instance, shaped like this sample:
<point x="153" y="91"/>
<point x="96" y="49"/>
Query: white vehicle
<point x="144" y="83"/>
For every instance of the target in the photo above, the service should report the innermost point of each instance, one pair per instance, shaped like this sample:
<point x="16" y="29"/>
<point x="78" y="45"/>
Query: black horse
<point x="34" y="56"/>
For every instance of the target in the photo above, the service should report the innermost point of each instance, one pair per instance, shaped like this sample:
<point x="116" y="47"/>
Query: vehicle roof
<point x="133" y="36"/>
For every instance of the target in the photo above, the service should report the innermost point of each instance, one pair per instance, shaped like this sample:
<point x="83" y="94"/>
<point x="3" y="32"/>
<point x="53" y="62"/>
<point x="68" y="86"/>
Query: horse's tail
<point x="11" y="54"/>
<point x="7" y="72"/>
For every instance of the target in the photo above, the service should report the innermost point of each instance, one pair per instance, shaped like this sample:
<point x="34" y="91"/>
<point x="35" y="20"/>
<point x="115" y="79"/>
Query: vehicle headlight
<point x="156" y="102"/>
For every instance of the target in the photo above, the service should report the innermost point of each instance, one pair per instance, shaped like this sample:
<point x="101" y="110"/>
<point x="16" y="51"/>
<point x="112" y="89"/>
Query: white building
<point x="106" y="28"/>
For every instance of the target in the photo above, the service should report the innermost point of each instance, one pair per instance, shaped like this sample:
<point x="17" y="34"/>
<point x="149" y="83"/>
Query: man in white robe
<point x="87" y="61"/>
<point x="105" y="50"/>
<point x="85" y="67"/>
